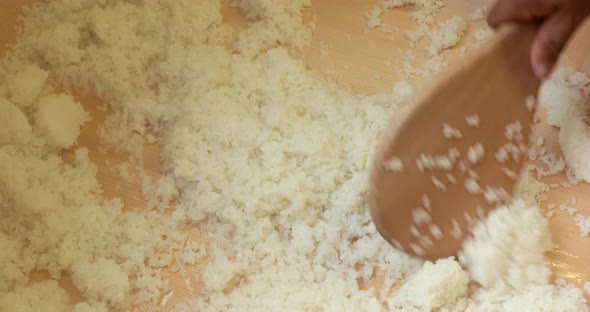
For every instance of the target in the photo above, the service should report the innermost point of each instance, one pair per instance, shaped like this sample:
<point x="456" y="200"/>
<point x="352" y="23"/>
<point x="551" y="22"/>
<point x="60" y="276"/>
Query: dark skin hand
<point x="557" y="19"/>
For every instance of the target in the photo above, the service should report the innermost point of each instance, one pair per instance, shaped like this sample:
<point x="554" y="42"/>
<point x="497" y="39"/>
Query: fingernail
<point x="540" y="71"/>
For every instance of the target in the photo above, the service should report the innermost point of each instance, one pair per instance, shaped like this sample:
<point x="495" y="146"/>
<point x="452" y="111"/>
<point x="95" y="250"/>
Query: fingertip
<point x="540" y="70"/>
<point x="541" y="60"/>
<point x="492" y="17"/>
<point x="549" y="42"/>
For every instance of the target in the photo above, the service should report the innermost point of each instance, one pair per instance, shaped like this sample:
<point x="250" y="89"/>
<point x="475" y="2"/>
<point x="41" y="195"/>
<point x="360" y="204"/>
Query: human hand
<point x="558" y="19"/>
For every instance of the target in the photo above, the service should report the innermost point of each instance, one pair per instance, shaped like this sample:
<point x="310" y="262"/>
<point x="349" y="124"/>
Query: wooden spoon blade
<point x="424" y="207"/>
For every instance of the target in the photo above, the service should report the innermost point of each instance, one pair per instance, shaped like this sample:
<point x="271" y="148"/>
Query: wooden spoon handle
<point x="512" y="45"/>
<point x="578" y="49"/>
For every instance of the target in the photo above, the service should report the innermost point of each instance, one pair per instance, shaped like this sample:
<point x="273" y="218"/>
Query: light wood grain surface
<point x="340" y="26"/>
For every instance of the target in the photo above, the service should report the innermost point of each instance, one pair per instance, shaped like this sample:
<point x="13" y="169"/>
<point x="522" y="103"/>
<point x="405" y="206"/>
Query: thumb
<point x="519" y="10"/>
<point x="550" y="40"/>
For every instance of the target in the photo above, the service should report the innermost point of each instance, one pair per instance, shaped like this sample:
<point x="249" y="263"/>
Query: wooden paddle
<point x="469" y="130"/>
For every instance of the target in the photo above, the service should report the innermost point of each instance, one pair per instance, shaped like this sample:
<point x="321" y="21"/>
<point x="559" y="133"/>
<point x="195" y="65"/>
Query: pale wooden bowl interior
<point x="348" y="44"/>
